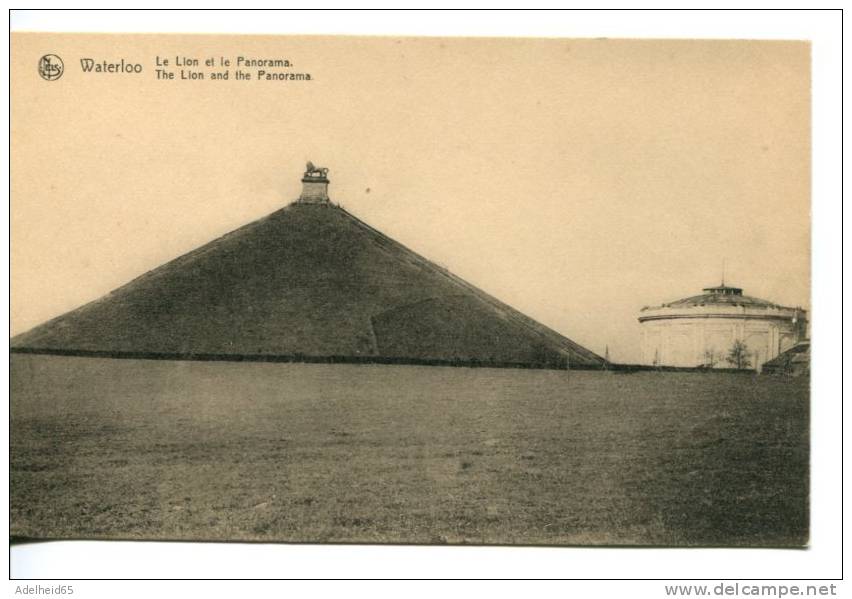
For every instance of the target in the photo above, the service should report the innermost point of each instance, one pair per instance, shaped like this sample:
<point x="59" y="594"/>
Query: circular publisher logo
<point x="50" y="67"/>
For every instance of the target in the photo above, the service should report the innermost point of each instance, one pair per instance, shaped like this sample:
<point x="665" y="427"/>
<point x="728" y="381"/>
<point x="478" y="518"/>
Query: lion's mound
<point x="308" y="282"/>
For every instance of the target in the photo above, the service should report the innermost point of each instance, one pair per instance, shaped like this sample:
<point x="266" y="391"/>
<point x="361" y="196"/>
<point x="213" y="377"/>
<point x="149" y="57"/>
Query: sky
<point x="576" y="180"/>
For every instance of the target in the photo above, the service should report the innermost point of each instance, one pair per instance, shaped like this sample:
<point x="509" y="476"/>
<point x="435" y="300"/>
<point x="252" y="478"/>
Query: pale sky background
<point x="577" y="180"/>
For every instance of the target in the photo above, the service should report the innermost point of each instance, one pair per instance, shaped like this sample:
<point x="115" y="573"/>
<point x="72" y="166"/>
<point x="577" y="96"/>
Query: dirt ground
<point x="137" y="449"/>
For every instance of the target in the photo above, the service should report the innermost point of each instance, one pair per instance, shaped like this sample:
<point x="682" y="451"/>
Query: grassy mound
<point x="307" y="280"/>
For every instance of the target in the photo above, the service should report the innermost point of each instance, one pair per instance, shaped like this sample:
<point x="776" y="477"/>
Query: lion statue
<point x="310" y="169"/>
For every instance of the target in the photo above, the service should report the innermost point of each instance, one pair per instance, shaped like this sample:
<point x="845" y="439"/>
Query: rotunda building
<point x="702" y="330"/>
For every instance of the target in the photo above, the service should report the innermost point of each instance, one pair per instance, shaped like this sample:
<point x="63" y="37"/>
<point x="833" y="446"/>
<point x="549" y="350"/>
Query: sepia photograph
<point x="410" y="290"/>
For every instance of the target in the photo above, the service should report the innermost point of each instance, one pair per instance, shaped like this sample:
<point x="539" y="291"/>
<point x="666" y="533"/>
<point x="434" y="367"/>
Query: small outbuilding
<point x="796" y="361"/>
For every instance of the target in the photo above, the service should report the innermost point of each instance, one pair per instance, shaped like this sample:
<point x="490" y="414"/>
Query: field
<point x="139" y="449"/>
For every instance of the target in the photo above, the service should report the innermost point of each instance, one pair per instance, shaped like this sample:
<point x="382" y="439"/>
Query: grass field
<point x="405" y="454"/>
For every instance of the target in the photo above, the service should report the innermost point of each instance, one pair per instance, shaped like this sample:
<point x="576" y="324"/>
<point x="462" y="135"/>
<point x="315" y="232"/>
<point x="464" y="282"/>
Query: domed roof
<point x="722" y="296"/>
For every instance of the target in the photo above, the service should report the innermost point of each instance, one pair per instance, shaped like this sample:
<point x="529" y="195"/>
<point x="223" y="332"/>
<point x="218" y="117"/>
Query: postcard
<point x="435" y="290"/>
